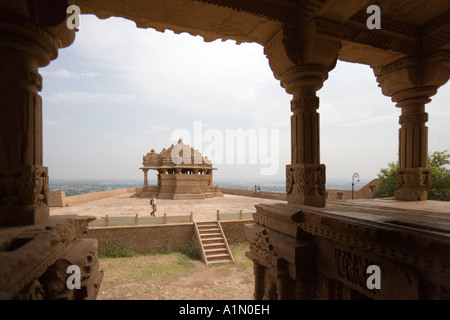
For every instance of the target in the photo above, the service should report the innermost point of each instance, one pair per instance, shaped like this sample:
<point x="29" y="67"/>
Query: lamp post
<point x="355" y="176"/>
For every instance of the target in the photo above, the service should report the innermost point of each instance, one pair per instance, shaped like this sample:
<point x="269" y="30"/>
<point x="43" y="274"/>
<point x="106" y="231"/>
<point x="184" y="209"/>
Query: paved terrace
<point x="206" y="209"/>
<point x="203" y="210"/>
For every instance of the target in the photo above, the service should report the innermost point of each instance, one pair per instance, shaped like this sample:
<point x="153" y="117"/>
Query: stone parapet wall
<point x="251" y="193"/>
<point x="364" y="192"/>
<point x="59" y="199"/>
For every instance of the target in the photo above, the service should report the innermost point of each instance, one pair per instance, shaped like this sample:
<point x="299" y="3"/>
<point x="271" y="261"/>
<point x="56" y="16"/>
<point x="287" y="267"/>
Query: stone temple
<point x="183" y="173"/>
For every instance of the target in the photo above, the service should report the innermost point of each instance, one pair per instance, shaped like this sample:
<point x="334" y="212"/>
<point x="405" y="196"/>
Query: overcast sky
<point x="118" y="91"/>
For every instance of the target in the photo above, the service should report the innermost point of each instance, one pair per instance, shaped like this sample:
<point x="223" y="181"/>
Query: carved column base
<point x="413" y="184"/>
<point x="305" y="184"/>
<point x="23" y="195"/>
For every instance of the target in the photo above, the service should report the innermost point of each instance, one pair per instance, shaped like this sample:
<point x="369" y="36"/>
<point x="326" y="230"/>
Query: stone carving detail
<point x="417" y="177"/>
<point x="306" y="179"/>
<point x="34" y="79"/>
<point x="352" y="267"/>
<point x="33" y="291"/>
<point x="413" y="118"/>
<point x="305" y="104"/>
<point x="374" y="247"/>
<point x="313" y="68"/>
<point x="26" y="186"/>
<point x="260" y="219"/>
<point x="260" y="245"/>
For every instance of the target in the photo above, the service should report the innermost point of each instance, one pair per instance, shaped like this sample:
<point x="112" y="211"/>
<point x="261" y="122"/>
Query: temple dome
<point x="180" y="155"/>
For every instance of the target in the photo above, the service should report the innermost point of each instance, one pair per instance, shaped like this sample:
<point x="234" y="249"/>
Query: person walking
<point x="153" y="204"/>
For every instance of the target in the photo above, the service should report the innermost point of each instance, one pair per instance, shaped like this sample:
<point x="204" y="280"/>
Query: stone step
<point x="218" y="245"/>
<point x="210" y="235"/>
<point x="209" y="240"/>
<point x="208" y="228"/>
<point x="202" y="224"/>
<point x="221" y="261"/>
<point x="216" y="250"/>
<point x="214" y="257"/>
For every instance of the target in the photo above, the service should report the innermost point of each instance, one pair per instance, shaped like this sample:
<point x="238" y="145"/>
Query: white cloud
<point x="64" y="73"/>
<point x="78" y="97"/>
<point x="390" y="118"/>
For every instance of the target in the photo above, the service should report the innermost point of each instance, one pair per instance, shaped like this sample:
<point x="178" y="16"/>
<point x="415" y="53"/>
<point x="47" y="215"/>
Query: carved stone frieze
<point x="352" y="267"/>
<point x="382" y="250"/>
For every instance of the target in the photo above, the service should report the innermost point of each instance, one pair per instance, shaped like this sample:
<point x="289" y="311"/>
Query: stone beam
<point x="199" y="18"/>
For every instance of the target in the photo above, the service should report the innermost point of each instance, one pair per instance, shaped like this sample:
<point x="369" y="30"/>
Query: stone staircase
<point x="213" y="244"/>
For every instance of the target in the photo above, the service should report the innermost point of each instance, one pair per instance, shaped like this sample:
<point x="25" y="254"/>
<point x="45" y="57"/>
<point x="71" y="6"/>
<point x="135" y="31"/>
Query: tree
<point x="438" y="162"/>
<point x="388" y="181"/>
<point x="440" y="188"/>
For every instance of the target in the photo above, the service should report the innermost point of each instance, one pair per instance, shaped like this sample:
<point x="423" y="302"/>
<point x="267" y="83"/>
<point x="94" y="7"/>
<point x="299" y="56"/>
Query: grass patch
<point x="238" y="250"/>
<point x="155" y="266"/>
<point x="145" y="268"/>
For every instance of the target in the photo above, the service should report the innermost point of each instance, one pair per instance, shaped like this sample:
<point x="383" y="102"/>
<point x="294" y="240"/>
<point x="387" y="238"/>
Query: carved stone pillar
<point x="259" y="272"/>
<point x="145" y="178"/>
<point x="27" y="42"/>
<point x="301" y="59"/>
<point x="413" y="174"/>
<point x="283" y="281"/>
<point x="305" y="177"/>
<point x="410" y="82"/>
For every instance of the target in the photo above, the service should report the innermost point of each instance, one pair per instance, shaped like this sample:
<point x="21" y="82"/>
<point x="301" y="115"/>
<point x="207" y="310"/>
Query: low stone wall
<point x="251" y="193"/>
<point x="235" y="230"/>
<point x="59" y="199"/>
<point x="364" y="192"/>
<point x="145" y="239"/>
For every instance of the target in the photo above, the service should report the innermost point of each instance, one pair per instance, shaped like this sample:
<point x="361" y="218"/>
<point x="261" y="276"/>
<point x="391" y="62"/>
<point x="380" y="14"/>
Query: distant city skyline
<point x="120" y="91"/>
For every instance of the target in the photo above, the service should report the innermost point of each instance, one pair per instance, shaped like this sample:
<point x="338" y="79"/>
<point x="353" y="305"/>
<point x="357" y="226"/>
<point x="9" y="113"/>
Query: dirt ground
<point x="221" y="282"/>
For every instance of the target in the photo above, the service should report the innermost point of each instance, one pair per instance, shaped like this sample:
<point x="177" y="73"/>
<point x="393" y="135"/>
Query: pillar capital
<point x="414" y="77"/>
<point x="307" y="46"/>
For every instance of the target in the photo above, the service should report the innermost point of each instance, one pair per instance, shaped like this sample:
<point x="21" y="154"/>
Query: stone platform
<point x="203" y="209"/>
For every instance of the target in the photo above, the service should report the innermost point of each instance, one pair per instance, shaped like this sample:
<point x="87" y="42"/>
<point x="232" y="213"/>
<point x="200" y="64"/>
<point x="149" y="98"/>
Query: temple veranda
<point x="300" y="250"/>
